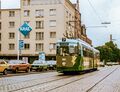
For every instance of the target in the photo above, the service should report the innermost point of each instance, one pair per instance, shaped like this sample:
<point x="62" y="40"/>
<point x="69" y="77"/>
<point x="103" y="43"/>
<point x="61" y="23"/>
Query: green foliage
<point x="109" y="52"/>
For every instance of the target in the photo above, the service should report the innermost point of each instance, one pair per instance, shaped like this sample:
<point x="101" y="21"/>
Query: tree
<point x="109" y="52"/>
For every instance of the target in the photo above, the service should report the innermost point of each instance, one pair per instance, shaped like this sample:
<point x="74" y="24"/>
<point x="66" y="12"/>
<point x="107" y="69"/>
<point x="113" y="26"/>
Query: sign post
<point x="24" y="29"/>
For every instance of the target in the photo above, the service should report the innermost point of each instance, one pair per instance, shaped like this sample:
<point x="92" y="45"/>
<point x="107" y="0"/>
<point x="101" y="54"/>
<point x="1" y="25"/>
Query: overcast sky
<point x="93" y="15"/>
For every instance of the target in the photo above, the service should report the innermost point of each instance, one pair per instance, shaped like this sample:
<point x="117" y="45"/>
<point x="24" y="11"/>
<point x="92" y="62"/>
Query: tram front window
<point x="64" y="51"/>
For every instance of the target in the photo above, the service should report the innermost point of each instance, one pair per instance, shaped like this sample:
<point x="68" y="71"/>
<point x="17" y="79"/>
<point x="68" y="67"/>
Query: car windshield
<point x="15" y="62"/>
<point x="37" y="62"/>
<point x="51" y="62"/>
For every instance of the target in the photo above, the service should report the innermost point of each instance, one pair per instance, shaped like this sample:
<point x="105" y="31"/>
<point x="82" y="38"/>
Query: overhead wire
<point x="95" y="11"/>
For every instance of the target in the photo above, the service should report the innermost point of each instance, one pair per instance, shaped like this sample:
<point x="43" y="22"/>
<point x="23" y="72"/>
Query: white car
<point x="39" y="65"/>
<point x="51" y="64"/>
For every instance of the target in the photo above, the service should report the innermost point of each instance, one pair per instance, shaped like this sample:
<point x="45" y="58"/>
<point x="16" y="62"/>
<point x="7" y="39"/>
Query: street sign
<point x="25" y="29"/>
<point x="42" y="56"/>
<point x="21" y="44"/>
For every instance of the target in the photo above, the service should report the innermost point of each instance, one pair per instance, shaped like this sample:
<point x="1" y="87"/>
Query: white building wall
<point x="61" y="7"/>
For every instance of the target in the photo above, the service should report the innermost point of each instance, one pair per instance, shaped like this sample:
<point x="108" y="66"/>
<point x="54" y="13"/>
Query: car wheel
<point x="5" y="72"/>
<point x="40" y="69"/>
<point x="31" y="69"/>
<point x="16" y="70"/>
<point x="28" y="70"/>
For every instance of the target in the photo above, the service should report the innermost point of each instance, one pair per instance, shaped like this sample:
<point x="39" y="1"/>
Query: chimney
<point x="77" y="5"/>
<point x="111" y="37"/>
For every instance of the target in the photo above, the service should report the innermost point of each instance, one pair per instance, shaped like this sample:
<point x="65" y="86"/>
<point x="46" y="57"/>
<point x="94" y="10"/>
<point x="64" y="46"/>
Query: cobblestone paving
<point x="51" y="82"/>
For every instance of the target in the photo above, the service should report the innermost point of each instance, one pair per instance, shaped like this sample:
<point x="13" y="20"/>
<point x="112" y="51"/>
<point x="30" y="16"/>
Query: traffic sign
<point x="21" y="44"/>
<point x="25" y="29"/>
<point x="42" y="56"/>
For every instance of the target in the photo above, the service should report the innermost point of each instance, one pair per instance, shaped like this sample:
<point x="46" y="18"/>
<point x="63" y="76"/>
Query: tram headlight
<point x="63" y="63"/>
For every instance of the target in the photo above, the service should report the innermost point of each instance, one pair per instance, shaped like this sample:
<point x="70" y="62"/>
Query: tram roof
<point x="80" y="42"/>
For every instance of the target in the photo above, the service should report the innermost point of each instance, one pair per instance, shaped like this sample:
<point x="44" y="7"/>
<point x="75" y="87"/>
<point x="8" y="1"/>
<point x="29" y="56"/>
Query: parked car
<point x="18" y="65"/>
<point x="51" y="64"/>
<point x="3" y="67"/>
<point x="39" y="65"/>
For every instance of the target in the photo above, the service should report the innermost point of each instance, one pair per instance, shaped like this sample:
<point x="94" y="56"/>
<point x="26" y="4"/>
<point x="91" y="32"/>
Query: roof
<point x="10" y="9"/>
<point x="83" y="43"/>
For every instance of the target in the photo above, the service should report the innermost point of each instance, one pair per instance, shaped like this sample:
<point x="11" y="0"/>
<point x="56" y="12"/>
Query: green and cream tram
<point x="74" y="55"/>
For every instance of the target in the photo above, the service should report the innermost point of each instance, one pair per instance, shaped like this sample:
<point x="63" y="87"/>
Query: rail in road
<point x="88" y="90"/>
<point x="52" y="82"/>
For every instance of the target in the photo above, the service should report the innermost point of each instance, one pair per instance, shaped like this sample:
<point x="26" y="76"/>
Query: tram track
<point x="56" y="81"/>
<point x="88" y="90"/>
<point x="38" y="82"/>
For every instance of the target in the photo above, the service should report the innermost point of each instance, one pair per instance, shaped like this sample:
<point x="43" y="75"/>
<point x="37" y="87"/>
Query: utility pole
<point x="111" y="37"/>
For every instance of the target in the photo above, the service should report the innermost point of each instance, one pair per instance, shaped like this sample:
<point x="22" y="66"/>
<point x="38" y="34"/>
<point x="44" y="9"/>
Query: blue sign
<point x="42" y="56"/>
<point x="25" y="29"/>
<point x="21" y="44"/>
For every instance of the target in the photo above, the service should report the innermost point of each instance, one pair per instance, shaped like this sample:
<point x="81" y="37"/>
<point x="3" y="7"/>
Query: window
<point x="69" y="16"/>
<point x="0" y="47"/>
<point x="39" y="13"/>
<point x="0" y="36"/>
<point x="26" y="2"/>
<point x="39" y="24"/>
<point x="52" y="34"/>
<point x="27" y="22"/>
<point x="11" y="35"/>
<point x="11" y="24"/>
<point x="39" y="47"/>
<point x="52" y="12"/>
<point x="26" y="13"/>
<point x="26" y="46"/>
<point x="27" y="36"/>
<point x="0" y="25"/>
<point x="66" y="14"/>
<point x="11" y="13"/>
<point x="52" y="23"/>
<point x="11" y="46"/>
<point x="39" y="35"/>
<point x="52" y="46"/>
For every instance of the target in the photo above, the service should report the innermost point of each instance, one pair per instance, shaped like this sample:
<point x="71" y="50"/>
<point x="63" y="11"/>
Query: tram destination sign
<point x="64" y="44"/>
<point x="25" y="29"/>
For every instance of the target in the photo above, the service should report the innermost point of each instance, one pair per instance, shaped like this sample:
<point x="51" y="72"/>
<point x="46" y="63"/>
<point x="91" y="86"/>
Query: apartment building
<point x="50" y="20"/>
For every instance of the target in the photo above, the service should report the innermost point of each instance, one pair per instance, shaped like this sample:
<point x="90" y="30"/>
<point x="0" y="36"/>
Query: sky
<point x="93" y="13"/>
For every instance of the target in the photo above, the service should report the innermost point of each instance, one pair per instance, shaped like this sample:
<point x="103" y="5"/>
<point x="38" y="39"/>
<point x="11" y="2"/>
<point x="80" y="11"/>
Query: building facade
<point x="50" y="20"/>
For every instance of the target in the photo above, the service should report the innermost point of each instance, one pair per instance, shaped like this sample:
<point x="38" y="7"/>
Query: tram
<point x="75" y="55"/>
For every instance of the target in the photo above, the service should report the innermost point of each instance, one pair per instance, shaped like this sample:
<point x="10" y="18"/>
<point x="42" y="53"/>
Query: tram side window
<point x="91" y="54"/>
<point x="71" y="49"/>
<point x="97" y="55"/>
<point x="85" y="53"/>
<point x="77" y="51"/>
<point x="58" y="50"/>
